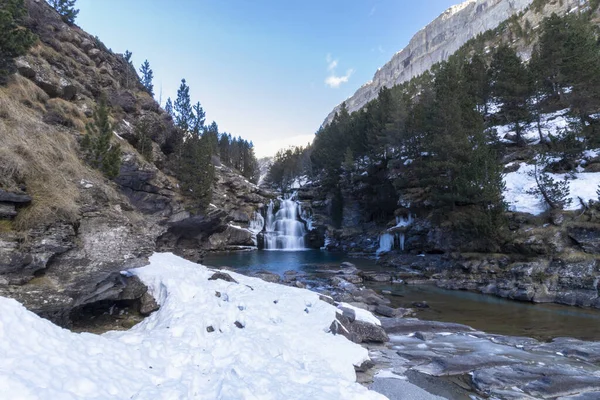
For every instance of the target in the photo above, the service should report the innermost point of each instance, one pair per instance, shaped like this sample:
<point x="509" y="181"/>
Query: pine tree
<point x="66" y="8"/>
<point x="555" y="194"/>
<point x="184" y="114"/>
<point x="147" y="76"/>
<point x="212" y="134"/>
<point x="198" y="119"/>
<point x="196" y="171"/>
<point x="15" y="40"/>
<point x="511" y="86"/>
<point x="100" y="152"/>
<point x="169" y="108"/>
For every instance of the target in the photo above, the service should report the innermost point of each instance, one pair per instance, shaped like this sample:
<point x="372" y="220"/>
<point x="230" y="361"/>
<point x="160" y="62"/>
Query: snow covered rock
<point x="192" y="347"/>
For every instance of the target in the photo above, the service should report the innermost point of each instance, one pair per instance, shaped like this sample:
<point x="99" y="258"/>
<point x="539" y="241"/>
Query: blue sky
<point x="267" y="70"/>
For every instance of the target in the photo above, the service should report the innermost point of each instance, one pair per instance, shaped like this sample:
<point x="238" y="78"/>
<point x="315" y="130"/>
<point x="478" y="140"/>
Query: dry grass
<point x="6" y="226"/>
<point x="43" y="157"/>
<point x="70" y="111"/>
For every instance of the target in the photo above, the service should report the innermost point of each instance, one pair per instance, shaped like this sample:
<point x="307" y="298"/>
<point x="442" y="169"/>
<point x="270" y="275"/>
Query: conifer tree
<point x="184" y="114"/>
<point x="97" y="143"/>
<point x="555" y="194"/>
<point x="66" y="8"/>
<point x="147" y="76"/>
<point x="169" y="107"/>
<point x="511" y="86"/>
<point x="15" y="40"/>
<point x="198" y="119"/>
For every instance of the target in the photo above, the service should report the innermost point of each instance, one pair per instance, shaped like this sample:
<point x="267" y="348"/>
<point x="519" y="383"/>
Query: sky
<point x="269" y="71"/>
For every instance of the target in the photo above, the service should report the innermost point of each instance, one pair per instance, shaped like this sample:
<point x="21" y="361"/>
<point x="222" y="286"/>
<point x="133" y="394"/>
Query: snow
<point x="519" y="182"/>
<point x="551" y="124"/>
<point x="283" y="351"/>
<point x="361" y="315"/>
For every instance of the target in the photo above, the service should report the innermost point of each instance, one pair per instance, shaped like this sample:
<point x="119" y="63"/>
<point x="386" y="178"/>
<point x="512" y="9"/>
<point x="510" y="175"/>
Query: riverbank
<point x="446" y="359"/>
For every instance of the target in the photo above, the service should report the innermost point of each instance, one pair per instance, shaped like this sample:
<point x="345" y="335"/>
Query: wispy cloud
<point x="331" y="63"/>
<point x="372" y="12"/>
<point x="334" y="80"/>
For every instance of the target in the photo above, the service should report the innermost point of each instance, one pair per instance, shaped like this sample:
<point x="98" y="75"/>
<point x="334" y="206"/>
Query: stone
<point x="347" y="264"/>
<point x="424" y="336"/>
<point x="365" y="366"/>
<point x="267" y="276"/>
<point x="8" y="197"/>
<point x="352" y="278"/>
<point x="377" y="277"/>
<point x="223" y="276"/>
<point x="385" y="311"/>
<point x="148" y="304"/>
<point x="7" y="211"/>
<point x="348" y="313"/>
<point x="405" y="326"/>
<point x="420" y="304"/>
<point x="586" y="238"/>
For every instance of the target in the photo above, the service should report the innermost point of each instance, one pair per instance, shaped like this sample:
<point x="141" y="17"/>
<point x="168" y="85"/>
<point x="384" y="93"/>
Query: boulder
<point x="223" y="276"/>
<point x="586" y="238"/>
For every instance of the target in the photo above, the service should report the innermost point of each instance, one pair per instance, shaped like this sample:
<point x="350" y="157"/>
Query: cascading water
<point x="284" y="230"/>
<point x="395" y="235"/>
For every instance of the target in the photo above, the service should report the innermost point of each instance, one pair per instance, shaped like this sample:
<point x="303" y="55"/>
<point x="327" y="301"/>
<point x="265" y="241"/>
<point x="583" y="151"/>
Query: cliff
<point x="66" y="231"/>
<point x="444" y="36"/>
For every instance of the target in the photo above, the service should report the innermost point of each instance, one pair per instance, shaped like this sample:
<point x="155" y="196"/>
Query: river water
<point x="484" y="312"/>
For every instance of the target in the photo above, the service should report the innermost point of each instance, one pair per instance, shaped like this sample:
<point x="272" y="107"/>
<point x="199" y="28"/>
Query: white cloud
<point x="331" y="63"/>
<point x="334" y="81"/>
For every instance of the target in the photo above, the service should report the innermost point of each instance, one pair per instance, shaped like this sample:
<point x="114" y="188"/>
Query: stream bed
<point x="483" y="312"/>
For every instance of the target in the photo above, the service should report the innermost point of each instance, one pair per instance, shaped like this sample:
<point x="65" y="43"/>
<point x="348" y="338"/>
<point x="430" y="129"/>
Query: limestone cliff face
<point x="435" y="43"/>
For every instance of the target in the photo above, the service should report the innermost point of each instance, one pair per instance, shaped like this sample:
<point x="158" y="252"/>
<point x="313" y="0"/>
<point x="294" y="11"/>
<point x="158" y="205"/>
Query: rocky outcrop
<point x="66" y="232"/>
<point x="444" y="36"/>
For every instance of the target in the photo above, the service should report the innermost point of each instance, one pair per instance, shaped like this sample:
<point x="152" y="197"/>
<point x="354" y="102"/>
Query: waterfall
<point x="284" y="230"/>
<point x="257" y="223"/>
<point x="386" y="242"/>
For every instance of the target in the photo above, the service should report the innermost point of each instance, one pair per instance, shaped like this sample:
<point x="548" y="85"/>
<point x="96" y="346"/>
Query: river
<point x="484" y="312"/>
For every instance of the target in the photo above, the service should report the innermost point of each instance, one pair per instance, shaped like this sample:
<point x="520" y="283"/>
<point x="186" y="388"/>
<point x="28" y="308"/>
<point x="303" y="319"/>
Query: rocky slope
<point x="66" y="231"/>
<point x="442" y="37"/>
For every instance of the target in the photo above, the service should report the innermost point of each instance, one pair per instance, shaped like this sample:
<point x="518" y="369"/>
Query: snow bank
<point x="519" y="182"/>
<point x="283" y="350"/>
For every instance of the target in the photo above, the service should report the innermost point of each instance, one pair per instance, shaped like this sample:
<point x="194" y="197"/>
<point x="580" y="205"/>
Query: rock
<point x="424" y="336"/>
<point x="365" y="366"/>
<point x="369" y="296"/>
<point x="377" y="277"/>
<point x="348" y="313"/>
<point x="385" y="311"/>
<point x="587" y="238"/>
<point x="239" y="324"/>
<point x="267" y="276"/>
<point x="358" y="331"/>
<point x="352" y="278"/>
<point x="24" y="68"/>
<point x="347" y="264"/>
<point x="420" y="304"/>
<point x="8" y="197"/>
<point x="367" y="332"/>
<point x="240" y="216"/>
<point x="148" y="304"/>
<point x="223" y="276"/>
<point x="405" y="326"/>
<point x="231" y="236"/>
<point x="7" y="211"/>
<point x="326" y="299"/>
<point x="124" y="99"/>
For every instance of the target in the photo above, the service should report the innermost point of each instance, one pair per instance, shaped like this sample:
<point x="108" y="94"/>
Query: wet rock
<point x="267" y="276"/>
<point x="538" y="381"/>
<point x="223" y="276"/>
<point x="347" y="264"/>
<point x="377" y="277"/>
<point x="369" y="296"/>
<point x="385" y="311"/>
<point x="352" y="278"/>
<point x="424" y="336"/>
<point x="406" y="326"/>
<point x="420" y="304"/>
<point x="573" y="348"/>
